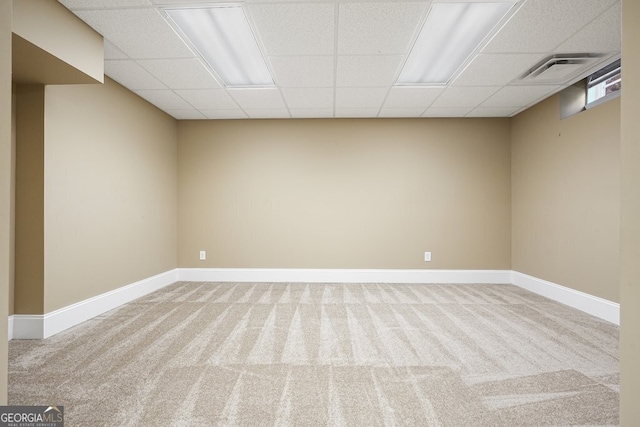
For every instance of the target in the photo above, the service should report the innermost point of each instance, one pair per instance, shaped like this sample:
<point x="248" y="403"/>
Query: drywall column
<point x="6" y="178"/>
<point x="29" y="203"/>
<point x="48" y="45"/>
<point x="630" y="219"/>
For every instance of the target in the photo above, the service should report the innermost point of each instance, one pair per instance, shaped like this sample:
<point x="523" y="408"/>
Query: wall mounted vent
<point x="559" y="69"/>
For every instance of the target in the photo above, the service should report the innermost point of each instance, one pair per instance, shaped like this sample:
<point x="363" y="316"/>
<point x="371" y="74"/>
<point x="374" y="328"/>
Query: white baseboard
<point x="42" y="326"/>
<point x="289" y="275"/>
<point x="28" y="326"/>
<point x="46" y="325"/>
<point x="10" y="327"/>
<point x="599" y="307"/>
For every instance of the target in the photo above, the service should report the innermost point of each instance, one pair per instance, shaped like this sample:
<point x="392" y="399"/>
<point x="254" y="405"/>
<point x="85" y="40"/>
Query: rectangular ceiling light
<point x="450" y="34"/>
<point x="223" y="37"/>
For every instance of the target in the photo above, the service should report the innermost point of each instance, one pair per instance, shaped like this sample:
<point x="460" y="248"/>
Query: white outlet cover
<point x="427" y="256"/>
<point x="203" y="255"/>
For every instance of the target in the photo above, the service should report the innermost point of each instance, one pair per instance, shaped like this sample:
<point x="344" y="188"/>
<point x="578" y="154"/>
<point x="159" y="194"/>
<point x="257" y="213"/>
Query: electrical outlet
<point x="427" y="256"/>
<point x="203" y="255"/>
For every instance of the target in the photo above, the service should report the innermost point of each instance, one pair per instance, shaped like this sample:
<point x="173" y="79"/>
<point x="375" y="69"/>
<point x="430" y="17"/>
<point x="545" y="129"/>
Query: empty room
<point x="320" y="213"/>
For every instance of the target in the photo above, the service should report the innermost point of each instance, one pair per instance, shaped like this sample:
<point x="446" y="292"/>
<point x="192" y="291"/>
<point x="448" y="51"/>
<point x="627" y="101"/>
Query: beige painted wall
<point x="342" y="193"/>
<point x="53" y="46"/>
<point x="29" y="202"/>
<point x="566" y="196"/>
<point x="110" y="191"/>
<point x="12" y="239"/>
<point x="6" y="183"/>
<point x="630" y="219"/>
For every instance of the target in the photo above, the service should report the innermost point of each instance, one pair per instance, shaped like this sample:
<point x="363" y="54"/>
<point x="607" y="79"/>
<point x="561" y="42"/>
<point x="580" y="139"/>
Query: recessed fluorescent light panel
<point x="223" y="37"/>
<point x="450" y="34"/>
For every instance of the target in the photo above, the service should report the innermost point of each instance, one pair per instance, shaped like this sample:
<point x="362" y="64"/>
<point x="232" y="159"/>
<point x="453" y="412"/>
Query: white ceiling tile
<point x="186" y="114"/>
<point x="446" y="112"/>
<point x="303" y="71"/>
<point x="342" y="56"/>
<point x="356" y="112"/>
<point x="378" y="28"/>
<point x="541" y="25"/>
<point x="367" y="70"/>
<point x="285" y="1"/>
<point x="459" y="97"/>
<point x="370" y="98"/>
<point x="112" y="52"/>
<point x="139" y="33"/>
<point x="224" y="114"/>
<point x="601" y="35"/>
<point x="271" y="113"/>
<point x="102" y="4"/>
<point x="497" y="69"/>
<point x="412" y="97"/>
<point x="401" y="112"/>
<point x="493" y="112"/>
<point x="164" y="99"/>
<point x="303" y="113"/>
<point x="209" y="99"/>
<point x="187" y="2"/>
<point x="258" y="99"/>
<point x="294" y="29"/>
<point x="190" y="73"/>
<point x="308" y="97"/>
<point x="519" y="96"/>
<point x="131" y="75"/>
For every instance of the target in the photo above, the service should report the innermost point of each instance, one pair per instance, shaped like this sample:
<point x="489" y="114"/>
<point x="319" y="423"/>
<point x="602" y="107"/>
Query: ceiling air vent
<point x="559" y="69"/>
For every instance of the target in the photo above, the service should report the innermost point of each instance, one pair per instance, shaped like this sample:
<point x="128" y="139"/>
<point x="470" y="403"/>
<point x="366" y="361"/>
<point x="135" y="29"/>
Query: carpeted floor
<point x="202" y="354"/>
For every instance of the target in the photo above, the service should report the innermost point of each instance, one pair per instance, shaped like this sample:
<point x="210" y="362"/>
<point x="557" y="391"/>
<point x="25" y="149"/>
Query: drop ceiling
<point x="341" y="58"/>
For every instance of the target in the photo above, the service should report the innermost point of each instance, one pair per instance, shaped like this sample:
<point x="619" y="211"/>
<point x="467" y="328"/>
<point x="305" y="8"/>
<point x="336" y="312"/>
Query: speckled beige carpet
<point x="202" y="354"/>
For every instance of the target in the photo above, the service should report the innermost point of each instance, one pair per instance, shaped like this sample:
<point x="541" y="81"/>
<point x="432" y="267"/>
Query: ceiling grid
<point x="341" y="58"/>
